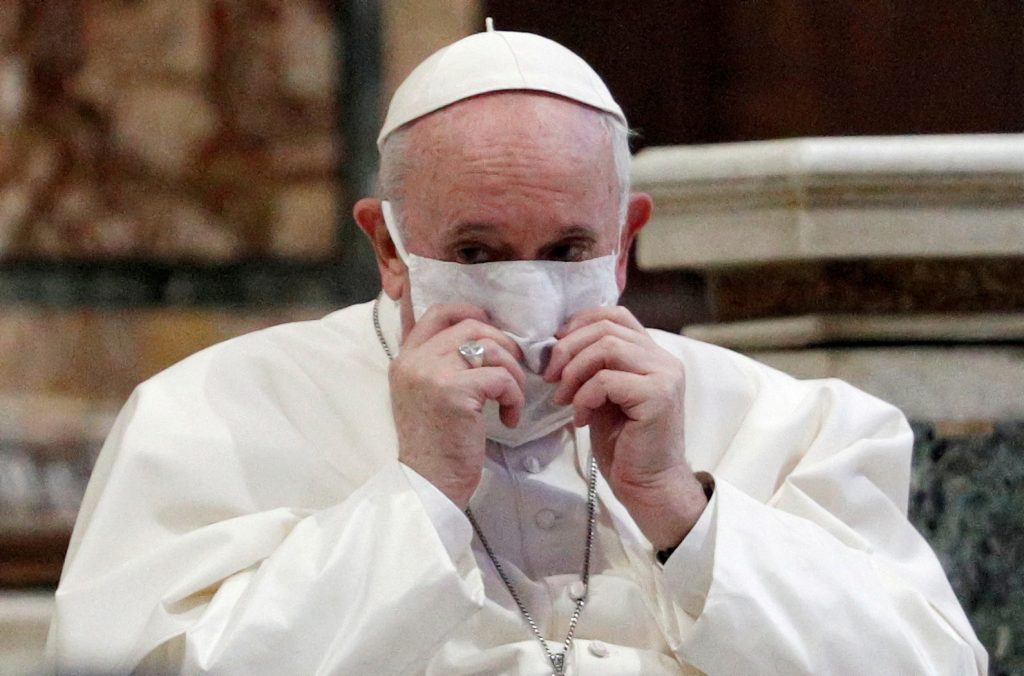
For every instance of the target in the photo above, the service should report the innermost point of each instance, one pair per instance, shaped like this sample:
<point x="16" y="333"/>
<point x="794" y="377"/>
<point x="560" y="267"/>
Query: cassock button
<point x="531" y="464"/>
<point x="545" y="519"/>
<point x="599" y="649"/>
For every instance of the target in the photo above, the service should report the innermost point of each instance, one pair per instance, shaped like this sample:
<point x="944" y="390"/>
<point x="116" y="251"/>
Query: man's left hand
<point x="630" y="391"/>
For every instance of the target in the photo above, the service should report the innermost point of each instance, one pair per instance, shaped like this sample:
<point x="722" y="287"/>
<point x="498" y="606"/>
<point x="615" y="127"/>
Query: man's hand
<point x="630" y="392"/>
<point x="437" y="398"/>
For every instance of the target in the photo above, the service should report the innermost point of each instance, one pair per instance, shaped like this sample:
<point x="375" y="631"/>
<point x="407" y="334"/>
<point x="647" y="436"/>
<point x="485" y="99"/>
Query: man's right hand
<point x="437" y="398"/>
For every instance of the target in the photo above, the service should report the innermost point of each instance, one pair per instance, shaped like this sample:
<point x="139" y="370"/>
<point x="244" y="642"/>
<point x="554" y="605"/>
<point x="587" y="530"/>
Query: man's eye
<point x="568" y="251"/>
<point x="470" y="255"/>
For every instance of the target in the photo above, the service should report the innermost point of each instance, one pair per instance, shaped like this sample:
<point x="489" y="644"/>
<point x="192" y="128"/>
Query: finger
<point x="608" y="352"/>
<point x="510" y="415"/>
<point x="440" y="317"/>
<point x="472" y="329"/>
<point x="449" y="339"/>
<point x="625" y="390"/>
<point x="614" y="313"/>
<point x="497" y="355"/>
<point x="496" y="383"/>
<point x="572" y="344"/>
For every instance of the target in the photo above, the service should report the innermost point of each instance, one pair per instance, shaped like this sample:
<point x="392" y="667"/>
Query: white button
<point x="599" y="649"/>
<point x="545" y="519"/>
<point x="577" y="590"/>
<point x="531" y="464"/>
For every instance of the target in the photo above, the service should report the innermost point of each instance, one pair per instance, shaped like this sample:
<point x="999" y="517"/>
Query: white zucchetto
<point x="494" y="61"/>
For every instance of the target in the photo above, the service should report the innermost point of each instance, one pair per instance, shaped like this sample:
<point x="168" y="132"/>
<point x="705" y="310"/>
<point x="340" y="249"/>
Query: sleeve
<point x="688" y="570"/>
<point x="332" y="597"/>
<point x="449" y="521"/>
<point x="180" y="564"/>
<point x="809" y="564"/>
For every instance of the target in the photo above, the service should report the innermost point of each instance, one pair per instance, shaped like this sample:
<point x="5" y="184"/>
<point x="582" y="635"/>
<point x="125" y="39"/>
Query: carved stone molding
<point x="832" y="198"/>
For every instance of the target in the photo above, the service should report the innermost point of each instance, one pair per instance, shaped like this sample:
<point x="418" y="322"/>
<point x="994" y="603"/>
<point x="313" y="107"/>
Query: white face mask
<point x="529" y="301"/>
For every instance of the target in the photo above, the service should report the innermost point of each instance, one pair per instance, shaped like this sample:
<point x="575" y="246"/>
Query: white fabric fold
<point x="689" y="569"/>
<point x="248" y="515"/>
<point x="508" y="292"/>
<point x="448" y="520"/>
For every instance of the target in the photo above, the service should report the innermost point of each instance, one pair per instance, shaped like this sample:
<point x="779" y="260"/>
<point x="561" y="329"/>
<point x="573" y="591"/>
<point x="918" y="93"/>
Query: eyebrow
<point x="489" y="230"/>
<point x="471" y="229"/>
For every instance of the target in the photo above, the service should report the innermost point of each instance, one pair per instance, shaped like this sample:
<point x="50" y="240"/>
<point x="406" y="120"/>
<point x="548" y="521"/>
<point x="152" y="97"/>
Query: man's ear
<point x="638" y="213"/>
<point x="370" y="217"/>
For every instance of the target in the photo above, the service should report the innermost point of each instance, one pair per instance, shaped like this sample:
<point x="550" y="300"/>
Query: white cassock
<point x="248" y="515"/>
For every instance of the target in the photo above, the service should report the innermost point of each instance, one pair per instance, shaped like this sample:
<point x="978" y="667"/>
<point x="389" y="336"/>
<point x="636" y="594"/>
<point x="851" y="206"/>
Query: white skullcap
<point x="495" y="61"/>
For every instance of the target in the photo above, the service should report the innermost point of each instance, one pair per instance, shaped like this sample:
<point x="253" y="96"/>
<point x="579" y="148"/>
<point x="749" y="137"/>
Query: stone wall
<point x="189" y="130"/>
<point x="143" y="147"/>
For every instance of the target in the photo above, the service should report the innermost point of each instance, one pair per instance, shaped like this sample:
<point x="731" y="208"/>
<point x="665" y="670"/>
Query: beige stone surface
<point x="277" y="74"/>
<point x="101" y="355"/>
<point x="10" y="18"/>
<point x="15" y="201"/>
<point x="415" y="29"/>
<point x="164" y="127"/>
<point x="63" y="378"/>
<point x="13" y="90"/>
<point x="309" y="50"/>
<point x="166" y="130"/>
<point x="80" y="225"/>
<point x="149" y="36"/>
<point x="927" y="383"/>
<point x="30" y="169"/>
<point x="304" y="221"/>
<point x="194" y="236"/>
<point x="84" y="354"/>
<point x="164" y="337"/>
<point x="125" y="44"/>
<point x="790" y="332"/>
<point x="100" y="237"/>
<point x="812" y="199"/>
<point x="24" y="621"/>
<point x="305" y="157"/>
<point x="51" y="420"/>
<point x="181" y="229"/>
<point x="64" y="375"/>
<point x="8" y="162"/>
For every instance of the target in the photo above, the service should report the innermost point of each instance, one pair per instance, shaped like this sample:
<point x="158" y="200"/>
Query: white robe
<point x="248" y="515"/>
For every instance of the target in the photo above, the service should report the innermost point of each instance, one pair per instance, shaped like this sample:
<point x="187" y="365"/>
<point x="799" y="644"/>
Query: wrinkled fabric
<point x="248" y="515"/>
<point x="529" y="300"/>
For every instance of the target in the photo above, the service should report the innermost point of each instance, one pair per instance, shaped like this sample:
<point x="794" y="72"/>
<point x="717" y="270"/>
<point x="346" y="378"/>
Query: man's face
<point x="509" y="176"/>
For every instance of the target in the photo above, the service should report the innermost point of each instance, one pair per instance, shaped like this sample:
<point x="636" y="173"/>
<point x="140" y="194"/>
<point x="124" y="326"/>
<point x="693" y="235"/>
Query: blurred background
<point x="177" y="172"/>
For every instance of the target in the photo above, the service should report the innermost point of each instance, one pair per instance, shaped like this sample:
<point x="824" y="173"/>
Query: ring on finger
<point x="473" y="353"/>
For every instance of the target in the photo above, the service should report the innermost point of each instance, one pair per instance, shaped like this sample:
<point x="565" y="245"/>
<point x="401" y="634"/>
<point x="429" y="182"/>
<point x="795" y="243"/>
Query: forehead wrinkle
<point x="580" y="133"/>
<point x="515" y="170"/>
<point x="531" y="166"/>
<point x="530" y="147"/>
<point x="518" y="117"/>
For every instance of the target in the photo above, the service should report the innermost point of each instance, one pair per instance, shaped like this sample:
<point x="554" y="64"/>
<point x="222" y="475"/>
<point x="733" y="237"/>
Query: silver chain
<point x="557" y="659"/>
<point x="380" y="332"/>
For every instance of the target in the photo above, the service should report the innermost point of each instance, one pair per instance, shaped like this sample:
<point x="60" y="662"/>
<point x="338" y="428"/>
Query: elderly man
<point x="492" y="468"/>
